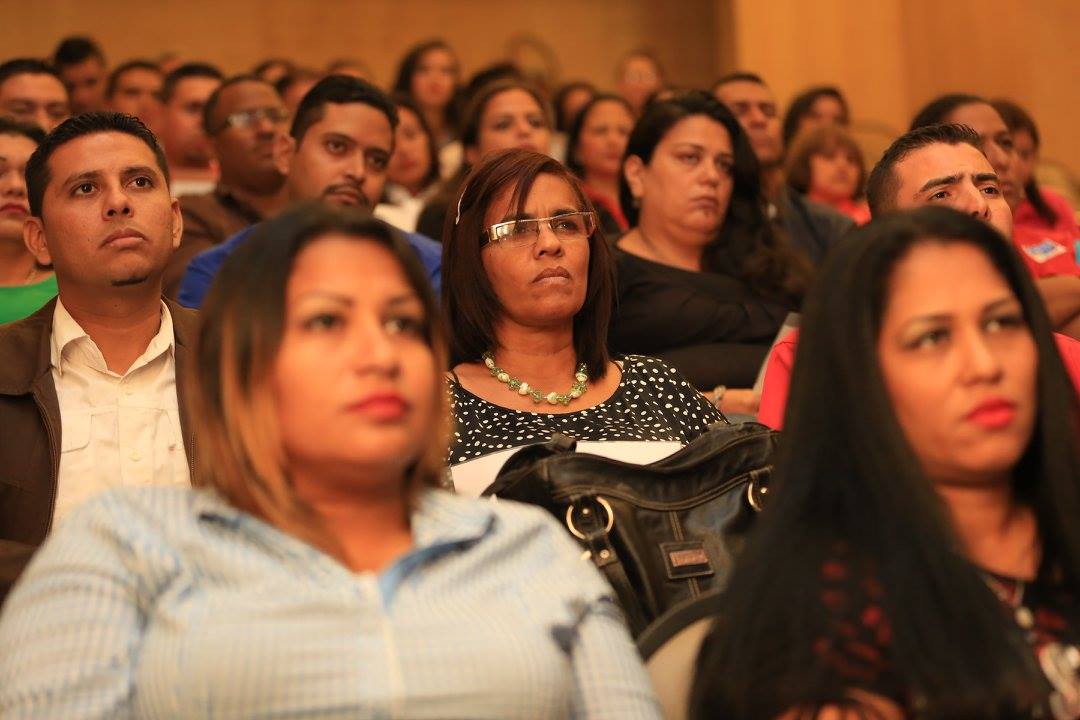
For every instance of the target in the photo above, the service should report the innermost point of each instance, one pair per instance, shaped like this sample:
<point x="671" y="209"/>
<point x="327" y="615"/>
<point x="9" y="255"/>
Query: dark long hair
<point x="479" y="99"/>
<point x="1016" y="118"/>
<point x="578" y="124"/>
<point x="469" y="302"/>
<point x="407" y="68"/>
<point x="848" y="486"/>
<point x="801" y="105"/>
<point x="401" y="100"/>
<point x="748" y="246"/>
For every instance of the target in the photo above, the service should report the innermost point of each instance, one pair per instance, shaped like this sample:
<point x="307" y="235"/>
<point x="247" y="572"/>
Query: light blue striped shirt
<point x="163" y="602"/>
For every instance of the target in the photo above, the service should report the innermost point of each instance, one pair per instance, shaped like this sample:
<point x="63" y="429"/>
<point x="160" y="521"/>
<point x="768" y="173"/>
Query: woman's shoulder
<point x="541" y="545"/>
<point x="529" y="529"/>
<point x="651" y="370"/>
<point x="147" y="502"/>
<point x="143" y="516"/>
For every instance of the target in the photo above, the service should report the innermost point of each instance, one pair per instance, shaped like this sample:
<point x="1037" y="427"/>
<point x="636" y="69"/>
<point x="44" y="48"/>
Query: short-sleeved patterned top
<point x="652" y="402"/>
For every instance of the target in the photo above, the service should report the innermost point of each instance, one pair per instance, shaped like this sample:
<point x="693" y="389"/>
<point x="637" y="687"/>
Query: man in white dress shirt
<point x="88" y="384"/>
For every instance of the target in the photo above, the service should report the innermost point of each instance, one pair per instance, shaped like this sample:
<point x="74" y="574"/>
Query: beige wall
<point x="891" y="56"/>
<point x="587" y="36"/>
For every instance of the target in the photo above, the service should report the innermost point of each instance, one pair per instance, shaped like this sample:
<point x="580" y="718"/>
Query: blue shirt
<point x="204" y="266"/>
<point x="164" y="602"/>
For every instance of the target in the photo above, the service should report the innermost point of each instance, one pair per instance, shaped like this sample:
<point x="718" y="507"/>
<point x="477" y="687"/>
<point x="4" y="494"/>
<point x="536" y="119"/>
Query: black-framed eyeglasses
<point x="567" y="227"/>
<point x="248" y="118"/>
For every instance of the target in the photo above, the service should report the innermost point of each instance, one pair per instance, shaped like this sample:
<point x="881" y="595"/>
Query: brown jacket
<point x="209" y="220"/>
<point x="30" y="431"/>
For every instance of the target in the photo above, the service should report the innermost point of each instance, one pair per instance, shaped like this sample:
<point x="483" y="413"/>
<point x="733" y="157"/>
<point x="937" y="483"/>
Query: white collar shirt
<point x="116" y="430"/>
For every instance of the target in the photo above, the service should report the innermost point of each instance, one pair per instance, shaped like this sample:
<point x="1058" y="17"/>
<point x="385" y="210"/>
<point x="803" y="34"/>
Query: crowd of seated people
<point x="264" y="334"/>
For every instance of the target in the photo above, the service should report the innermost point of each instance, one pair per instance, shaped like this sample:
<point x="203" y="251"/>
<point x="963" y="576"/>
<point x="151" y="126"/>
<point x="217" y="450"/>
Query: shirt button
<point x="135" y="457"/>
<point x="129" y="392"/>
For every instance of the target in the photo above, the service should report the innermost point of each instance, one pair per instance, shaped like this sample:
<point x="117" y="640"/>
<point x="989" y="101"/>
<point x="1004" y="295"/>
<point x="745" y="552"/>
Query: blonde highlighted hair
<point x="231" y="404"/>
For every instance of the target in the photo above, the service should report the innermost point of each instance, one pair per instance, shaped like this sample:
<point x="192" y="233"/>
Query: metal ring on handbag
<point x="754" y="502"/>
<point x="604" y="504"/>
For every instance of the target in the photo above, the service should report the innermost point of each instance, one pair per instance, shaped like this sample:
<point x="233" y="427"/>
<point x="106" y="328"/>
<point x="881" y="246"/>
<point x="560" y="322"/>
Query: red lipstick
<point x="993" y="414"/>
<point x="381" y="406"/>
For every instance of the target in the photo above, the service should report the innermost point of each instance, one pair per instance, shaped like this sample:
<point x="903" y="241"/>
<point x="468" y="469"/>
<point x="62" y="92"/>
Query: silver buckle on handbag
<point x="586" y="511"/>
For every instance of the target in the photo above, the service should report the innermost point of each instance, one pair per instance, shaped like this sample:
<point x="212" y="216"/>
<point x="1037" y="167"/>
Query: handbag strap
<point x="605" y="558"/>
<point x="596" y="522"/>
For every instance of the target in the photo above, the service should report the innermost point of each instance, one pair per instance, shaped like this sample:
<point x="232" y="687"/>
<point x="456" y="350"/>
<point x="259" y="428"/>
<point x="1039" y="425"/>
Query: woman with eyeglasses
<point x="528" y="290"/>
<point x="705" y="279"/>
<point x="319" y="570"/>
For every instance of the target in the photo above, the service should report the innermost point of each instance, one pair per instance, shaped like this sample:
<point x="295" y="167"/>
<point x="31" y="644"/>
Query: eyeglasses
<point x="567" y="227"/>
<point x="248" y="118"/>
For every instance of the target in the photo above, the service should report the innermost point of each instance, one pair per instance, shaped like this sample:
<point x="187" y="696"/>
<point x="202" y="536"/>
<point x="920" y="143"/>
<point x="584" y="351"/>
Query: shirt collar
<point x="66" y="331"/>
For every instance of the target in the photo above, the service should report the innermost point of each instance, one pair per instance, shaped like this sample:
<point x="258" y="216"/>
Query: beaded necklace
<point x="581" y="383"/>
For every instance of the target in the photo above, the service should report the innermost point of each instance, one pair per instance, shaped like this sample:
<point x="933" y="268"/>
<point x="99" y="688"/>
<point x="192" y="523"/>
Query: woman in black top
<point x="919" y="555"/>
<point x="704" y="280"/>
<point x="528" y="291"/>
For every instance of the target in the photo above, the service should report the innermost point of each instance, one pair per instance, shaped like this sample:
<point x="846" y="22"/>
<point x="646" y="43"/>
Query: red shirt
<point x="858" y="211"/>
<point x="1047" y="249"/>
<point x="774" y="390"/>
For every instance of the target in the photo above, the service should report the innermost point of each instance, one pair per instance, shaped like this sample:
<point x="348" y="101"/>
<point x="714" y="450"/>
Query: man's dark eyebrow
<point x="336" y="135"/>
<point x="83" y="176"/>
<point x="95" y="174"/>
<point x="985" y="177"/>
<point x="941" y="181"/>
<point x="132" y="169"/>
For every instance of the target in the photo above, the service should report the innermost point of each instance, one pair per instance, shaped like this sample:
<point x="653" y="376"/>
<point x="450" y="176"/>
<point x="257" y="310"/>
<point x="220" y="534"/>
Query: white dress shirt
<point x="116" y="430"/>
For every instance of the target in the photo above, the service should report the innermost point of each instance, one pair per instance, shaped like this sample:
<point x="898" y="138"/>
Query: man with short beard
<point x="88" y="384"/>
<point x="337" y="152"/>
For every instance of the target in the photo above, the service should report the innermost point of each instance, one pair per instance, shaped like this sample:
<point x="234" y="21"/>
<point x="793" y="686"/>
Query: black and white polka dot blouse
<point x="652" y="402"/>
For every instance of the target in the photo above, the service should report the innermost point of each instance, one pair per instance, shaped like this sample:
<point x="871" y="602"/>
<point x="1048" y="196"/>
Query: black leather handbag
<point x="661" y="533"/>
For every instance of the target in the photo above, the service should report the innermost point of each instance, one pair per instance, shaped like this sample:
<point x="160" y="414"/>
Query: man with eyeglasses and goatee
<point x="243" y="118"/>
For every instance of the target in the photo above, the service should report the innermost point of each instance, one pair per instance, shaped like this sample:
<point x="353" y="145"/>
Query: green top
<point x="19" y="301"/>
